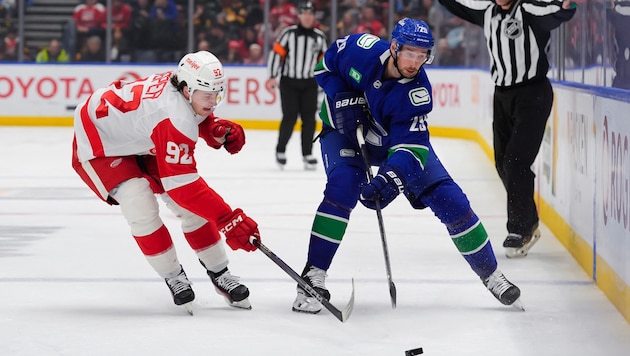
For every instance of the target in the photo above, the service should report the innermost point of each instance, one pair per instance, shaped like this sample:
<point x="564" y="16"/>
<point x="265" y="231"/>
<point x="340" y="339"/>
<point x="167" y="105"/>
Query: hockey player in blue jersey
<point x="383" y="87"/>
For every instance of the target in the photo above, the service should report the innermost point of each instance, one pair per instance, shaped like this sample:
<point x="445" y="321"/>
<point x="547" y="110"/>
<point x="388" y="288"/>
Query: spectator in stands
<point x="255" y="14"/>
<point x="164" y="15"/>
<point x="450" y="48"/>
<point x="164" y="10"/>
<point x="348" y="23"/>
<point x="89" y="20"/>
<point x="419" y="9"/>
<point x="219" y="42"/>
<point x="234" y="57"/>
<point x="201" y="20"/>
<point x="323" y="16"/>
<point x="286" y="12"/>
<point x="7" y="13"/>
<point x="11" y="45"/>
<point x="141" y="32"/>
<point x="121" y="50"/>
<point x="256" y="55"/>
<point x="235" y="15"/>
<point x="121" y="16"/>
<point x="52" y="53"/>
<point x="273" y="28"/>
<point x="248" y="36"/>
<point x="2" y="50"/>
<point x="203" y="45"/>
<point x="369" y="23"/>
<point x="92" y="51"/>
<point x="205" y="14"/>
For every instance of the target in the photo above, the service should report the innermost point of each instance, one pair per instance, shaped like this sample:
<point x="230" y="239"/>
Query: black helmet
<point x="307" y="5"/>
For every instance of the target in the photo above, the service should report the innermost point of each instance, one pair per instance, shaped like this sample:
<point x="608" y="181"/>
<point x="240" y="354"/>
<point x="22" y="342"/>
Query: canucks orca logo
<point x="419" y="96"/>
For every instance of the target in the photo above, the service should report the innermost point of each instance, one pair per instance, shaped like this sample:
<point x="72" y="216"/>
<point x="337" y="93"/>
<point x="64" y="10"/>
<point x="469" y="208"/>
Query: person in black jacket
<point x="517" y="35"/>
<point x="293" y="58"/>
<point x="618" y="15"/>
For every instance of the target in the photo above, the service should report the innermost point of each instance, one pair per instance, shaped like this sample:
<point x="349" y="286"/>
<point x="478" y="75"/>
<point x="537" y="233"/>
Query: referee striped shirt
<point x="296" y="52"/>
<point x="518" y="39"/>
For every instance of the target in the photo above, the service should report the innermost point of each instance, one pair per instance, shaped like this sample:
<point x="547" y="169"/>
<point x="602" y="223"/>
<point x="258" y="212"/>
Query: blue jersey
<point x="398" y="132"/>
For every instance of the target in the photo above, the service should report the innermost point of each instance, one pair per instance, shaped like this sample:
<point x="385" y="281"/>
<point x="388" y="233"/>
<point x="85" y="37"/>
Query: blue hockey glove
<point x="351" y="110"/>
<point x="384" y="188"/>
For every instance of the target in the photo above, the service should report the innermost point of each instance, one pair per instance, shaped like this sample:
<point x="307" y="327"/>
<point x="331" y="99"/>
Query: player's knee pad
<point x="190" y="221"/>
<point x="138" y="205"/>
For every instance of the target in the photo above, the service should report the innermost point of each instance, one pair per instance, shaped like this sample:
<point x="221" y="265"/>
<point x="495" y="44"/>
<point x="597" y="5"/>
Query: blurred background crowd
<point x="590" y="49"/>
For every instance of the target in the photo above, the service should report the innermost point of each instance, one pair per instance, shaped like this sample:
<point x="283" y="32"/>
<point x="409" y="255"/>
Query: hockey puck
<point x="413" y="352"/>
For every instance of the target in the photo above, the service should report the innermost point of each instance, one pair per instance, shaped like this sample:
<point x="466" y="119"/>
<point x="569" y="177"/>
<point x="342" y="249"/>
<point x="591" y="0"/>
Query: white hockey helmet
<point x="202" y="71"/>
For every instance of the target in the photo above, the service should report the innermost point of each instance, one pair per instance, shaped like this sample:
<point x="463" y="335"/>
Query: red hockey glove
<point x="237" y="228"/>
<point x="224" y="133"/>
<point x="213" y="132"/>
<point x="235" y="138"/>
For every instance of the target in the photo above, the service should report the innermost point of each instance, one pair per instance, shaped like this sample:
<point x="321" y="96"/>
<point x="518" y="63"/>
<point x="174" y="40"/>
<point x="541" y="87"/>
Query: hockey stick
<point x="342" y="315"/>
<point x="379" y="216"/>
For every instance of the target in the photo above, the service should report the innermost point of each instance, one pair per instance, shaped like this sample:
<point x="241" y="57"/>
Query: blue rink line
<point x="287" y="280"/>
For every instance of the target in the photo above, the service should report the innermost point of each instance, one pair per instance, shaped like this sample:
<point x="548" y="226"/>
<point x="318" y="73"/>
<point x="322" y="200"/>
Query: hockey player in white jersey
<point x="136" y="140"/>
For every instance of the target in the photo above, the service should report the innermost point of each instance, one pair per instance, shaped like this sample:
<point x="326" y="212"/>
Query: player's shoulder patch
<point x="367" y="41"/>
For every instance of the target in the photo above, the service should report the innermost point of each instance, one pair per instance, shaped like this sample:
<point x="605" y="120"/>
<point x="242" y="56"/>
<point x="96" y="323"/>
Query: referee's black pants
<point x="520" y="117"/>
<point x="298" y="97"/>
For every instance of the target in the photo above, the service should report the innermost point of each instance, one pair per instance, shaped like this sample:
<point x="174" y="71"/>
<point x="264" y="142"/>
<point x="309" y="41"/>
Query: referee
<point x="293" y="58"/>
<point x="517" y="34"/>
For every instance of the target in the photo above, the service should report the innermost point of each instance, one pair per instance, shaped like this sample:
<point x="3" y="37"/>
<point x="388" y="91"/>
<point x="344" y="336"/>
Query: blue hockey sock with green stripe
<point x="329" y="226"/>
<point x="451" y="206"/>
<point x="472" y="241"/>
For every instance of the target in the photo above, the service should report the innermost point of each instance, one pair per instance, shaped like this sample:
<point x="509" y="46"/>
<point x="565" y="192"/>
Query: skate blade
<point x="306" y="311"/>
<point x="310" y="167"/>
<point x="520" y="252"/>
<point x="518" y="305"/>
<point x="243" y="304"/>
<point x="189" y="308"/>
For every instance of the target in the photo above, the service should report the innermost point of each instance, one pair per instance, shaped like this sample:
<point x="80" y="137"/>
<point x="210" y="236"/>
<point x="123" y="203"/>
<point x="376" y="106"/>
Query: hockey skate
<point x="181" y="290"/>
<point x="304" y="302"/>
<point x="310" y="162"/>
<point x="502" y="289"/>
<point x="518" y="246"/>
<point x="235" y="294"/>
<point x="281" y="159"/>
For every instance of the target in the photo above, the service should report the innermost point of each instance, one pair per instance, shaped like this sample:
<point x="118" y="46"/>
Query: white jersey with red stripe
<point x="149" y="116"/>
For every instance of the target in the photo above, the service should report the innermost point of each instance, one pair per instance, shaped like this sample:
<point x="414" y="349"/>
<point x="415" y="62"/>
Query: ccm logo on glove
<point x="237" y="228"/>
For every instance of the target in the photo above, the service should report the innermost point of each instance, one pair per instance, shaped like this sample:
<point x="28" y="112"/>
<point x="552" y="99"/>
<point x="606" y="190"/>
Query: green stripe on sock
<point x="471" y="240"/>
<point x="330" y="227"/>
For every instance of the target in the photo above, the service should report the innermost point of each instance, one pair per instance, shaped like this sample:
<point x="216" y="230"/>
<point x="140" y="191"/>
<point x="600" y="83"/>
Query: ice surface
<point x="73" y="282"/>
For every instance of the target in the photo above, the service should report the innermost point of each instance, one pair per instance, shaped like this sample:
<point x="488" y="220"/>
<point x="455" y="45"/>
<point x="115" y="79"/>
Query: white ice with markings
<point x="73" y="282"/>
